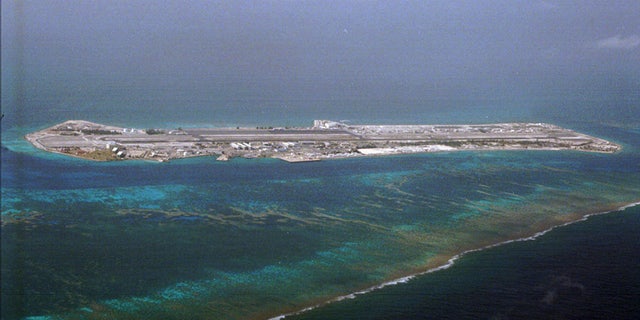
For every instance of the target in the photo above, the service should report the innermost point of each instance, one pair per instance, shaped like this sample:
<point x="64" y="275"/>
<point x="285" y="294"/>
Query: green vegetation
<point x="154" y="131"/>
<point x="98" y="131"/>
<point x="100" y="155"/>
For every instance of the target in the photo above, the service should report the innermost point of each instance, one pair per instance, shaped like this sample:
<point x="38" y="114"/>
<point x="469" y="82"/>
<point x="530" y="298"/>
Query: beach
<point x="325" y="140"/>
<point x="229" y="234"/>
<point x="349" y="159"/>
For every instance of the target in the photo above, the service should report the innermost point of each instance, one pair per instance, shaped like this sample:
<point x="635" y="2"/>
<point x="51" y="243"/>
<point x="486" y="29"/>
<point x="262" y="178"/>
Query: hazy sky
<point x="311" y="47"/>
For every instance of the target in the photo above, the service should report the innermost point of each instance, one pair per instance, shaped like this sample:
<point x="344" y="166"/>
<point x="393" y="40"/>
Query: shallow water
<point x="199" y="239"/>
<point x="586" y="270"/>
<point x="258" y="238"/>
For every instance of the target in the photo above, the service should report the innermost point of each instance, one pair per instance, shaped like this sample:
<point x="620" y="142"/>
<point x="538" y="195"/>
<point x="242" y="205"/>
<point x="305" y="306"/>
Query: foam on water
<point x="298" y="235"/>
<point x="450" y="262"/>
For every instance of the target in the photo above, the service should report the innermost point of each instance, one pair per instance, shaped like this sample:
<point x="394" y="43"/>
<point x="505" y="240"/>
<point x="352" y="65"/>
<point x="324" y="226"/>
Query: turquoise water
<point x="256" y="238"/>
<point x="587" y="270"/>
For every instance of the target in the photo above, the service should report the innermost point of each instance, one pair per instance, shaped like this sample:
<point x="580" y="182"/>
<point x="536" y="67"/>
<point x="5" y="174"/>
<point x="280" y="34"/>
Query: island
<point x="324" y="140"/>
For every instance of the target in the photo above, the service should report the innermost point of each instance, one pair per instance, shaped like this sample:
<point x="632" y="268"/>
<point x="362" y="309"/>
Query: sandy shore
<point x="325" y="140"/>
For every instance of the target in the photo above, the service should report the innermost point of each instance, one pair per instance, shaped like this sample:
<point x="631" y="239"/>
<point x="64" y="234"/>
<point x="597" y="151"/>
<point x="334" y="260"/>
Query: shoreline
<point x="325" y="140"/>
<point x="450" y="261"/>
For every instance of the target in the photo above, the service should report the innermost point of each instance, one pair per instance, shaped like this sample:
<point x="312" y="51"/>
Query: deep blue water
<point x="588" y="270"/>
<point x="197" y="238"/>
<point x="84" y="239"/>
<point x="253" y="239"/>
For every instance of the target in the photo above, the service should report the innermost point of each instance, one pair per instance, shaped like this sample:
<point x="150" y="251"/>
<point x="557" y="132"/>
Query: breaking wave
<point x="449" y="263"/>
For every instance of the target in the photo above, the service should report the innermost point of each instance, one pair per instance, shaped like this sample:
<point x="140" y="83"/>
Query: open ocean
<point x="397" y="237"/>
<point x="260" y="238"/>
<point x="588" y="270"/>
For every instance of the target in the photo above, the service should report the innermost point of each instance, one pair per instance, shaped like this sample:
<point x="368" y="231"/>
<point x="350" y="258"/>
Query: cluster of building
<point x="325" y="140"/>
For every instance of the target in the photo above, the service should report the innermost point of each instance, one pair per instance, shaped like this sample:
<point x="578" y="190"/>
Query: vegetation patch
<point x="100" y="155"/>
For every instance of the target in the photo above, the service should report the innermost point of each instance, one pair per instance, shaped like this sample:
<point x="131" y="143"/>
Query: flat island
<point x="324" y="140"/>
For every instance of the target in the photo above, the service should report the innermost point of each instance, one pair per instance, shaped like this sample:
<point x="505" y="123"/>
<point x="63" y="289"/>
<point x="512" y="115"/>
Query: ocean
<point x="260" y="238"/>
<point x="587" y="270"/>
<point x="458" y="235"/>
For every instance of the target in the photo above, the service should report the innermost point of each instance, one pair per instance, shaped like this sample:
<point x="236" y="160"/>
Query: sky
<point x="281" y="49"/>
